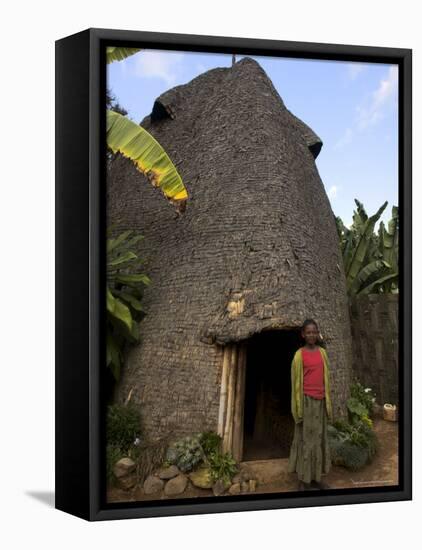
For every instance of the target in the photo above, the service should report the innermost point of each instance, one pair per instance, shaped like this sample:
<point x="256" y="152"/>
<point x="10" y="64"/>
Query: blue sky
<point x="351" y="106"/>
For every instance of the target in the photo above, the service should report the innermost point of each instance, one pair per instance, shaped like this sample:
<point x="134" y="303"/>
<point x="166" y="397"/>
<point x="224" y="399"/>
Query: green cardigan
<point x="297" y="385"/>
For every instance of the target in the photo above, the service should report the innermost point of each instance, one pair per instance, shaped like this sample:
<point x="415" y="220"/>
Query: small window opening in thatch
<point x="159" y="112"/>
<point x="315" y="148"/>
<point x="268" y="423"/>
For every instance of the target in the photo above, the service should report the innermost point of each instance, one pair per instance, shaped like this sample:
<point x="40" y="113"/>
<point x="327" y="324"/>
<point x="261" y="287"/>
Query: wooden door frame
<point x="232" y="398"/>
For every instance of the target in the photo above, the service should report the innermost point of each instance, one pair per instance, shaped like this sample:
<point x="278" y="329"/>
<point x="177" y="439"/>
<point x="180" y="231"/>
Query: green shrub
<point x="352" y="445"/>
<point x="211" y="442"/>
<point x="366" y="396"/>
<point x="342" y="426"/>
<point x="360" y="404"/>
<point x="222" y="466"/>
<point x="123" y="426"/>
<point x="186" y="453"/>
<point x="354" y="456"/>
<point x="371" y="440"/>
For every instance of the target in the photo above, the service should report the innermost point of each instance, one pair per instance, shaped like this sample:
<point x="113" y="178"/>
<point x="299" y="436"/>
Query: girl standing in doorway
<point x="311" y="409"/>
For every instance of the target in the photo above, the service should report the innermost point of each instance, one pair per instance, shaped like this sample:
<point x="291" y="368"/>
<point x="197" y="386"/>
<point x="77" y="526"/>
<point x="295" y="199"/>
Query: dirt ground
<point x="273" y="477"/>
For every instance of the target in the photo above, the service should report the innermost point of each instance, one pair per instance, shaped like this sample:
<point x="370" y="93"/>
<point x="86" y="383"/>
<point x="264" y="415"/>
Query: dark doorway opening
<point x="268" y="423"/>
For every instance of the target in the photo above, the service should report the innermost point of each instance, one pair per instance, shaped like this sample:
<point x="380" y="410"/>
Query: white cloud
<point x="374" y="109"/>
<point x="345" y="139"/>
<point x="384" y="96"/>
<point x="332" y="192"/>
<point x="163" y="65"/>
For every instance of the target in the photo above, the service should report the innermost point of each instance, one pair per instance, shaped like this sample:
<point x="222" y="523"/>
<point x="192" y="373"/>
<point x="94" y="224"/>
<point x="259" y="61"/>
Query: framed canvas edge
<point x="403" y="57"/>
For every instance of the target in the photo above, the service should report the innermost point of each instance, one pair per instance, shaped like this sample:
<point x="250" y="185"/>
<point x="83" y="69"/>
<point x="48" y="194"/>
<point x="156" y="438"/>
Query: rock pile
<point x="170" y="481"/>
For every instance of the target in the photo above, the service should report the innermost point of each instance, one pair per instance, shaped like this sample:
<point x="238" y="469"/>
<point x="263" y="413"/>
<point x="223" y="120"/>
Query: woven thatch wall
<point x="374" y="320"/>
<point x="256" y="247"/>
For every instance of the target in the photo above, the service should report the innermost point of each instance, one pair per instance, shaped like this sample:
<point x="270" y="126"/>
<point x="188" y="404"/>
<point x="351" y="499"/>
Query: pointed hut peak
<point x="245" y="77"/>
<point x="238" y="91"/>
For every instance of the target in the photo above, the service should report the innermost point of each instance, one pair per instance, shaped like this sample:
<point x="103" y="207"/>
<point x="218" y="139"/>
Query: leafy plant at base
<point x="124" y="293"/>
<point x="222" y="466"/>
<point x="354" y="456"/>
<point x="123" y="430"/>
<point x="186" y="453"/>
<point x="360" y="404"/>
<point x="352" y="445"/>
<point x="204" y="447"/>
<point x="211" y="442"/>
<point x="123" y="426"/>
<point x="364" y="395"/>
<point x="356" y="409"/>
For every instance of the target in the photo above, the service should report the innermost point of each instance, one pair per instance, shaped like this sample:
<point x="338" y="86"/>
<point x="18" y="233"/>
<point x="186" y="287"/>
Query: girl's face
<point x="310" y="334"/>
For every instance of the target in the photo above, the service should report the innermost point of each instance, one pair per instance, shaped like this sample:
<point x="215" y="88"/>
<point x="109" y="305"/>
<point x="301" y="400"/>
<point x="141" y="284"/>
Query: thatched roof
<point x="258" y="242"/>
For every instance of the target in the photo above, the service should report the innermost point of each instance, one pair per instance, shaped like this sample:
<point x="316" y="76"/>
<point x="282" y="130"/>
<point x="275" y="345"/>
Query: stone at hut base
<point x="176" y="485"/>
<point x="243" y="475"/>
<point x="252" y="485"/>
<point x="169" y="473"/>
<point x="138" y="493"/>
<point x="201" y="478"/>
<point x="124" y="467"/>
<point x="219" y="487"/>
<point x="235" y="489"/>
<point x="153" y="484"/>
<point x="246" y="474"/>
<point x="244" y="487"/>
<point x="127" y="482"/>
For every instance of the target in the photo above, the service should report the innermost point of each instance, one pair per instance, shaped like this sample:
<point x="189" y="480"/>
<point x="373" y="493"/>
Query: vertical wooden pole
<point x="243" y="392"/>
<point x="230" y="400"/>
<point x="237" y="444"/>
<point x="223" y="390"/>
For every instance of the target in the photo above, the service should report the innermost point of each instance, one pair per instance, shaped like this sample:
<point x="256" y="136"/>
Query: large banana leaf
<point x="119" y="311"/>
<point x="360" y="250"/>
<point x="361" y="212"/>
<point x="136" y="143"/>
<point x="368" y="273"/>
<point x="115" y="53"/>
<point x="374" y="287"/>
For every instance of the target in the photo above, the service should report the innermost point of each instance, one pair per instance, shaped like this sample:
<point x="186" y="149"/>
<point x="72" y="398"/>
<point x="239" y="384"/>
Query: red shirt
<point x="313" y="373"/>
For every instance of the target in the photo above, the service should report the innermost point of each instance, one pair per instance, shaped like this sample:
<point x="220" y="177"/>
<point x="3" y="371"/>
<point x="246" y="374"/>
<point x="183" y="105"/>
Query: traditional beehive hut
<point x="233" y="277"/>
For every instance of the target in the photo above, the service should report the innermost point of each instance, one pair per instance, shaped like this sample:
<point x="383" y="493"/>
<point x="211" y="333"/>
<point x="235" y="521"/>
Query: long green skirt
<point x="310" y="452"/>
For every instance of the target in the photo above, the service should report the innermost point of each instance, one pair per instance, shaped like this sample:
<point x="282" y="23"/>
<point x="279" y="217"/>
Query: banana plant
<point x="123" y="289"/>
<point x="134" y="142"/>
<point x="370" y="261"/>
<point x="389" y="244"/>
<point x="117" y="53"/>
<point x="365" y="230"/>
<point x="124" y="294"/>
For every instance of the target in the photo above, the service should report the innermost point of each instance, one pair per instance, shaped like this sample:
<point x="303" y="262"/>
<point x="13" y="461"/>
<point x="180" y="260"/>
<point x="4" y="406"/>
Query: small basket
<point x="390" y="412"/>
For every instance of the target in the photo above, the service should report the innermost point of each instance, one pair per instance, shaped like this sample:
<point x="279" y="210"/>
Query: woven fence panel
<point x="374" y="323"/>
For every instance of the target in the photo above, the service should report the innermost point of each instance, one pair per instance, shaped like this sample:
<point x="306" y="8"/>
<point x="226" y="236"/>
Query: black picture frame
<point x="80" y="281"/>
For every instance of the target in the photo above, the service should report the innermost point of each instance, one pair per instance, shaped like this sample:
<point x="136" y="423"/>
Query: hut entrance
<point x="255" y="417"/>
<point x="268" y="424"/>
